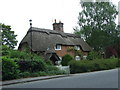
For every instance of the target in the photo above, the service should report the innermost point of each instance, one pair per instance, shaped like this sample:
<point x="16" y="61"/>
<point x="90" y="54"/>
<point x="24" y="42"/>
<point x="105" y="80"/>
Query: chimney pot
<point x="59" y="21"/>
<point x="55" y="20"/>
<point x="58" y="26"/>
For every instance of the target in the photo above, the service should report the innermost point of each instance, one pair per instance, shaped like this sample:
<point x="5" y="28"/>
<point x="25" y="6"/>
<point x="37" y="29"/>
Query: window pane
<point x="58" y="47"/>
<point x="77" y="57"/>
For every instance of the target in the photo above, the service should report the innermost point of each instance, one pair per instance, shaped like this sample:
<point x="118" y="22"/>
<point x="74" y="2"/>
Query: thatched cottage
<point x="53" y="44"/>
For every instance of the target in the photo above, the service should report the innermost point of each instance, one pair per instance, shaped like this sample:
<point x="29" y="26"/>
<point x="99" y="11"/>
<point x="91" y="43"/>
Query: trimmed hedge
<point x="93" y="65"/>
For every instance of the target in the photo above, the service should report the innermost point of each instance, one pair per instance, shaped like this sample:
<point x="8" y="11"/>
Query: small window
<point x="58" y="47"/>
<point x="84" y="57"/>
<point x="77" y="57"/>
<point x="77" y="47"/>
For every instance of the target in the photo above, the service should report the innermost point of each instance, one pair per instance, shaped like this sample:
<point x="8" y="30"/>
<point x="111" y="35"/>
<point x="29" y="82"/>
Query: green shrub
<point x="4" y="50"/>
<point x="42" y="73"/>
<point x="66" y="59"/>
<point x="18" y="64"/>
<point x="9" y="69"/>
<point x="28" y="62"/>
<point x="93" y="55"/>
<point x="54" y="72"/>
<point x="35" y="74"/>
<point x="78" y="66"/>
<point x="93" y="65"/>
<point x="24" y="74"/>
<point x="31" y="65"/>
<point x="20" y="55"/>
<point x="49" y="68"/>
<point x="48" y="62"/>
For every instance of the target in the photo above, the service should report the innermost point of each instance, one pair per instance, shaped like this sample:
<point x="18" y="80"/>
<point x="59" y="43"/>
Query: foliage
<point x="31" y="65"/>
<point x="48" y="62"/>
<point x="27" y="61"/>
<point x="35" y="74"/>
<point x="4" y="50"/>
<point x="93" y="65"/>
<point x="20" y="54"/>
<point x="24" y="74"/>
<point x="66" y="59"/>
<point x="113" y="50"/>
<point x="40" y="73"/>
<point x="97" y="24"/>
<point x="23" y="65"/>
<point x="93" y="55"/>
<point x="50" y="68"/>
<point x="8" y="36"/>
<point x="9" y="69"/>
<point x="76" y="52"/>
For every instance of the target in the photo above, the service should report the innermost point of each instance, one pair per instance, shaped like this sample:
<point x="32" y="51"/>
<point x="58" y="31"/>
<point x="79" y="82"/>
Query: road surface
<point x="100" y="79"/>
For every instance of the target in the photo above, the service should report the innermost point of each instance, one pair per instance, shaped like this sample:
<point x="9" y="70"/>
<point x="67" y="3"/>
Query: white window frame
<point x="58" y="48"/>
<point x="76" y="58"/>
<point x="77" y="47"/>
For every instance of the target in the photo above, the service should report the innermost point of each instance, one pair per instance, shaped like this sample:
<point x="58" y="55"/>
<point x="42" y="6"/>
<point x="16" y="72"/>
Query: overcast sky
<point x="17" y="13"/>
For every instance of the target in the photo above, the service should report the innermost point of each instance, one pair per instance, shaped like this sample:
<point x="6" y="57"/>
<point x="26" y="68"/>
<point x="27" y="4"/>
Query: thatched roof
<point x="44" y="39"/>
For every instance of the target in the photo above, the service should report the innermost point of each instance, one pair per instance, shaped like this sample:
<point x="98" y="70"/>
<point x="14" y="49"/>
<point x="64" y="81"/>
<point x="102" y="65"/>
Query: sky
<point x="17" y="14"/>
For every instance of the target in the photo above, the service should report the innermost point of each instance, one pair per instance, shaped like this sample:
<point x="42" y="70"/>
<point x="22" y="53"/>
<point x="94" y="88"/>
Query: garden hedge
<point x="93" y="65"/>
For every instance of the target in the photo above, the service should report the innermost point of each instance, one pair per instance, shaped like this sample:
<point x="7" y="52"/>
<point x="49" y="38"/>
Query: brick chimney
<point x="58" y="26"/>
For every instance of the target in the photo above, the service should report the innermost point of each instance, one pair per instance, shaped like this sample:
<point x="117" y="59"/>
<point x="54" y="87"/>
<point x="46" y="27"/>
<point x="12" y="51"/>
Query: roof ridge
<point x="49" y="31"/>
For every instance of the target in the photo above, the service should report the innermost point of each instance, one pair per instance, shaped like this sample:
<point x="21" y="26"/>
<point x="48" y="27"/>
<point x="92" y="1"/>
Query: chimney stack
<point x="58" y="26"/>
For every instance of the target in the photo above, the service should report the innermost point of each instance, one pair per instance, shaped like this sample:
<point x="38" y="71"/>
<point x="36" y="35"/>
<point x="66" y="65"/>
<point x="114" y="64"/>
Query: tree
<point x="97" y="24"/>
<point x="8" y="36"/>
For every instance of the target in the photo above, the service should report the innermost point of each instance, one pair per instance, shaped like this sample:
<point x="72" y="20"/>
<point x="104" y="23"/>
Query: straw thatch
<point x="44" y="39"/>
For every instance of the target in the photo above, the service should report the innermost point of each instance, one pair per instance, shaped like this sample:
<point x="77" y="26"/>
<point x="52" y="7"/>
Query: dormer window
<point x="77" y="47"/>
<point x="58" y="47"/>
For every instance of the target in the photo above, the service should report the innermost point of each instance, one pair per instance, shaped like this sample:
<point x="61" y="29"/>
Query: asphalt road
<point x="101" y="79"/>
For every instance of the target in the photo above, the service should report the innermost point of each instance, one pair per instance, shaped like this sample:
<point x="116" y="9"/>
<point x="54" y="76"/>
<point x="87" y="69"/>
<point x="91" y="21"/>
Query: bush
<point x="48" y="62"/>
<point x="42" y="73"/>
<point x="54" y="72"/>
<point x="4" y="50"/>
<point x="94" y="65"/>
<point x="20" y="55"/>
<point x="93" y="55"/>
<point x="18" y="64"/>
<point x="9" y="69"/>
<point x="28" y="62"/>
<point x="66" y="59"/>
<point x="31" y="65"/>
<point x="49" y="68"/>
<point x="24" y="74"/>
<point x="35" y="74"/>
